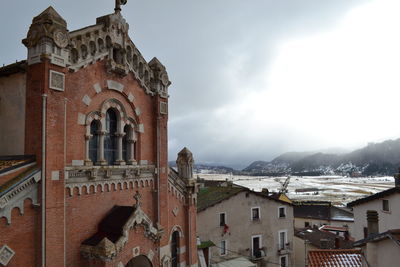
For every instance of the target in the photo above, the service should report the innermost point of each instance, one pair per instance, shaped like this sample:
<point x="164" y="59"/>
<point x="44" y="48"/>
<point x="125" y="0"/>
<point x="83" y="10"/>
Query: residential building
<point x="381" y="249"/>
<point x="88" y="183"/>
<point x="319" y="213"/>
<point x="307" y="239"/>
<point x="377" y="227"/>
<point x="386" y="205"/>
<point x="244" y="223"/>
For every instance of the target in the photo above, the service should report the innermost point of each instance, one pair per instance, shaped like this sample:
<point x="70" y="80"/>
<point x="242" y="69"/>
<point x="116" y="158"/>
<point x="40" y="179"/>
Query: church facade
<point x="88" y="181"/>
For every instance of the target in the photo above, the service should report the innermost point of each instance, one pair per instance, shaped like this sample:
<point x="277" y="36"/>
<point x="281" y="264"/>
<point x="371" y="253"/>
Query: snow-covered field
<point x="337" y="189"/>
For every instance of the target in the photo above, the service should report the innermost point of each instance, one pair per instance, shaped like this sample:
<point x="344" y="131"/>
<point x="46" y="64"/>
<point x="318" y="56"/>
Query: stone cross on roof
<point x="118" y="4"/>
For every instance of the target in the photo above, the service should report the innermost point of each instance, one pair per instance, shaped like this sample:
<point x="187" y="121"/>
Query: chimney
<point x="337" y="243"/>
<point x="265" y="191"/>
<point x="373" y="222"/>
<point x="346" y="236"/>
<point x="397" y="179"/>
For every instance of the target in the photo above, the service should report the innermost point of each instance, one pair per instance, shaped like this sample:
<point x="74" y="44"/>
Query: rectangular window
<point x="223" y="248"/>
<point x="282" y="239"/>
<point x="283" y="261"/>
<point x="256" y="246"/>
<point x="385" y="205"/>
<point x="255" y="214"/>
<point x="222" y="219"/>
<point x="282" y="212"/>
<point x="306" y="224"/>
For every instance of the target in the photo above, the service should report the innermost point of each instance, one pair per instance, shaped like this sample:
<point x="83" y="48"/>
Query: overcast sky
<point x="253" y="79"/>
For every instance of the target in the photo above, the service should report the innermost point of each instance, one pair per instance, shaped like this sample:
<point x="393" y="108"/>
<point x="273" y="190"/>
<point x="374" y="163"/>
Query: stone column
<point x="120" y="160"/>
<point x="131" y="150"/>
<point x="100" y="151"/>
<point x="88" y="161"/>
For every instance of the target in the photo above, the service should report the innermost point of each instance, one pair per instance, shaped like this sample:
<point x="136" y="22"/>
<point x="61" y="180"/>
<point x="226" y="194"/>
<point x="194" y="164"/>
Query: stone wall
<point x="12" y="114"/>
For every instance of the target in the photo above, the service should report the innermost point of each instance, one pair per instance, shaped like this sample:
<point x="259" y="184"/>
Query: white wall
<point x="384" y="253"/>
<point x="242" y="228"/>
<point x="387" y="220"/>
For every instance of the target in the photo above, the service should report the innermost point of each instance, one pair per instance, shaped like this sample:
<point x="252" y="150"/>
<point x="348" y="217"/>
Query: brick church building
<point x="84" y="176"/>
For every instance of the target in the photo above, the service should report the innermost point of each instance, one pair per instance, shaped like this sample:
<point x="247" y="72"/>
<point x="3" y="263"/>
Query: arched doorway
<point x="174" y="249"/>
<point x="139" y="261"/>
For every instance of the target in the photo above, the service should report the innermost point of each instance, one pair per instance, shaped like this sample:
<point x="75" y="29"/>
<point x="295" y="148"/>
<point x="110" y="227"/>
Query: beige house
<point x="377" y="226"/>
<point x="307" y="239"/>
<point x="385" y="203"/>
<point x="381" y="249"/>
<point x="244" y="223"/>
<point x="319" y="213"/>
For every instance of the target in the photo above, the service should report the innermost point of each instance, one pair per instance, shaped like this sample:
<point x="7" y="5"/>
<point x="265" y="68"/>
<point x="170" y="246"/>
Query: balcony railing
<point x="284" y="248"/>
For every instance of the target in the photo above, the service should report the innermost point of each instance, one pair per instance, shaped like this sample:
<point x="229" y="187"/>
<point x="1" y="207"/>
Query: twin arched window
<point x="110" y="147"/>
<point x="110" y="138"/>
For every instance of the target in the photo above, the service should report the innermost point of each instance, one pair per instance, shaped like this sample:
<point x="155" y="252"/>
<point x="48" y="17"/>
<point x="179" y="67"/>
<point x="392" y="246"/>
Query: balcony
<point x="284" y="248"/>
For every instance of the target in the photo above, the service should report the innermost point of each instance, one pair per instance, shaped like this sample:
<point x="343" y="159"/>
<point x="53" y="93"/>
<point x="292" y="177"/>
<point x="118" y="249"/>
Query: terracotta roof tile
<point x="335" y="258"/>
<point x="10" y="162"/>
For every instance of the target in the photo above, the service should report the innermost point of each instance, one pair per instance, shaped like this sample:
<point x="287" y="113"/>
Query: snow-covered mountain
<point x="374" y="159"/>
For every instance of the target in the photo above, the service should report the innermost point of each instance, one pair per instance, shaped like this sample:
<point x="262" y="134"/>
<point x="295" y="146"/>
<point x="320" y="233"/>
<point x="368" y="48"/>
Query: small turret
<point x="185" y="164"/>
<point x="48" y="35"/>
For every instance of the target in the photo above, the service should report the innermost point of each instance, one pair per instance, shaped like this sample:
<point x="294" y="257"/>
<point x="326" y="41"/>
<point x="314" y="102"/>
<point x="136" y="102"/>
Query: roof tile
<point x="335" y="258"/>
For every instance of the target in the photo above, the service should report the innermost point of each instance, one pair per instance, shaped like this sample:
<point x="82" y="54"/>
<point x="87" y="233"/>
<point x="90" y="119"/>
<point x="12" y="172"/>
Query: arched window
<point x="125" y="144"/>
<point x="94" y="141"/>
<point x="110" y="138"/>
<point x="174" y="249"/>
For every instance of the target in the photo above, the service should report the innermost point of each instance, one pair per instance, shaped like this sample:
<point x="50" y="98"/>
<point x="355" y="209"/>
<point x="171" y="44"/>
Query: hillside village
<point x="85" y="178"/>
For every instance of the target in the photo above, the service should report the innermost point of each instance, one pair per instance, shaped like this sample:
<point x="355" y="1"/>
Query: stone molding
<point x="18" y="194"/>
<point x="123" y="177"/>
<point x="107" y="250"/>
<point x="109" y="39"/>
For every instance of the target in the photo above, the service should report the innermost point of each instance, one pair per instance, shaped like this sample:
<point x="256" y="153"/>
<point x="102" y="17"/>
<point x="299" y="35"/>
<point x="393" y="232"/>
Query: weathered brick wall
<point x="70" y="220"/>
<point x="85" y="211"/>
<point x="22" y="235"/>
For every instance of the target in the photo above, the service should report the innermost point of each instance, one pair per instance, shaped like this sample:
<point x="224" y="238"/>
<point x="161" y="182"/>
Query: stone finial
<point x="137" y="197"/>
<point x="106" y="248"/>
<point x="118" y="4"/>
<point x="160" y="72"/>
<point x="50" y="25"/>
<point x="185" y="163"/>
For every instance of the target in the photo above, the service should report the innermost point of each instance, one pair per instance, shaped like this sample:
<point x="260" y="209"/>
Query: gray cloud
<point x="215" y="52"/>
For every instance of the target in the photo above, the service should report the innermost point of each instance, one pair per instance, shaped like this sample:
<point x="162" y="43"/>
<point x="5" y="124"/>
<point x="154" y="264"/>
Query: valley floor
<point x="336" y="189"/>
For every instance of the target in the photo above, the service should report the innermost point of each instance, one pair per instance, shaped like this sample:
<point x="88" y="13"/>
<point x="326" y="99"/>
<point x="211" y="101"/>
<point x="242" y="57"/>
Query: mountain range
<point x="374" y="159"/>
